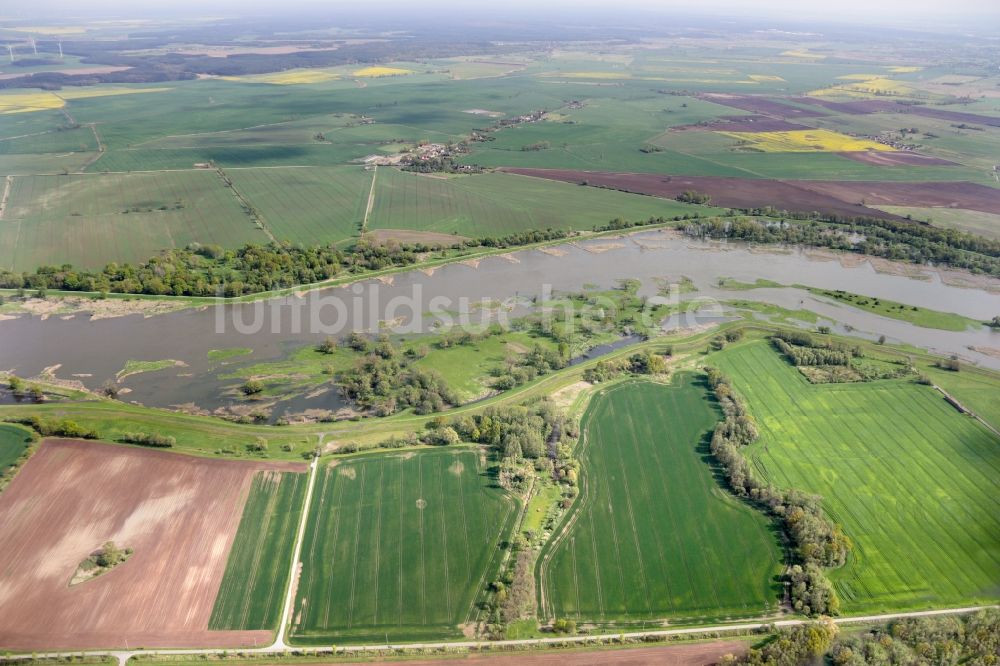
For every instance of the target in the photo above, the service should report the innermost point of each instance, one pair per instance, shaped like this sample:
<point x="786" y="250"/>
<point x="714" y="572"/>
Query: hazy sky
<point x="985" y="14"/>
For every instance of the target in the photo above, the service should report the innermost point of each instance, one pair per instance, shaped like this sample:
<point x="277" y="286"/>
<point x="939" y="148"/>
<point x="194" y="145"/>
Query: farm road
<point x="279" y="646"/>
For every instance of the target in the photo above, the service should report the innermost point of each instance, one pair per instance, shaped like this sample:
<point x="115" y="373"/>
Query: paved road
<point x="278" y="646"/>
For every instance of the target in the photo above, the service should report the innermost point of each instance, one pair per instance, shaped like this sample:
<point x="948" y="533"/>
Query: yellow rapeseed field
<point x="765" y="77"/>
<point x="40" y="101"/>
<point x="802" y="54"/>
<point x="859" y="77"/>
<point x="869" y="87"/>
<point x="904" y="69"/>
<point x="375" y="72"/>
<point x="806" y="141"/>
<point x="594" y="75"/>
<point x="24" y="102"/>
<point x="86" y="93"/>
<point x="286" y="78"/>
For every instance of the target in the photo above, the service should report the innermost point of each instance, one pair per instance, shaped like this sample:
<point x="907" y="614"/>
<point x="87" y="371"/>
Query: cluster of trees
<point x="524" y="368"/>
<point x="973" y="639"/>
<point x="384" y="381"/>
<point x="619" y="224"/>
<point x="693" y="197"/>
<point x="816" y="541"/>
<point x="790" y="646"/>
<point x="802" y="349"/>
<point x="900" y="241"/>
<point x="641" y="363"/>
<point x="148" y="439"/>
<point x="55" y="427"/>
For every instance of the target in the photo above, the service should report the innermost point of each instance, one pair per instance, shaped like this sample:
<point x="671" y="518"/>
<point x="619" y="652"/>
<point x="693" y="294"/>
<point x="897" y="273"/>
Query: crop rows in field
<point x="399" y="546"/>
<point x="911" y="480"/>
<point x="90" y="220"/>
<point x="252" y="589"/>
<point x="311" y="206"/>
<point x="654" y="535"/>
<point x="498" y="204"/>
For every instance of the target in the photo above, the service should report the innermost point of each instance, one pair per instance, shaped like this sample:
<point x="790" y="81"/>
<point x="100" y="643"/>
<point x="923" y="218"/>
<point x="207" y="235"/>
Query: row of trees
<point x="896" y="240"/>
<point x="642" y="363"/>
<point x="209" y="270"/>
<point x="790" y="646"/>
<point x="973" y="639"/>
<point x="816" y="541"/>
<point x="812" y="354"/>
<point x="55" y="427"/>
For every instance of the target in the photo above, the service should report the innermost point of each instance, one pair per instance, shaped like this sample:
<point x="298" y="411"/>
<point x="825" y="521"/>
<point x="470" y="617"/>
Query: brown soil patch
<point x="742" y="124"/>
<point x="966" y="195"/>
<point x="855" y="108"/>
<point x="696" y="654"/>
<point x="725" y="192"/>
<point x="565" y="396"/>
<point x="79" y="71"/>
<point x="179" y="514"/>
<point x="761" y="105"/>
<point x="895" y="158"/>
<point x="846" y="198"/>
<point x="410" y="237"/>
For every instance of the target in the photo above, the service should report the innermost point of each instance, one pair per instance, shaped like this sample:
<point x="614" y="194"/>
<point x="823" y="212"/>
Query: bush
<point x="252" y="387"/>
<point x="147" y="439"/>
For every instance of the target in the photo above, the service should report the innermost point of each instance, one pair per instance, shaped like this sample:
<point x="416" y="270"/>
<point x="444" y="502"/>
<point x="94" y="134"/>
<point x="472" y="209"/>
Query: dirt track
<point x="832" y="197"/>
<point x="178" y="513"/>
<point x="696" y="654"/>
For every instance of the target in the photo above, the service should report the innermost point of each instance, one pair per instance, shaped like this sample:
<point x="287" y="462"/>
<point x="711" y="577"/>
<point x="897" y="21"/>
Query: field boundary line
<point x="245" y="204"/>
<point x="8" y="183"/>
<point x="286" y="612"/>
<point x="371" y="201"/>
<point x="764" y="624"/>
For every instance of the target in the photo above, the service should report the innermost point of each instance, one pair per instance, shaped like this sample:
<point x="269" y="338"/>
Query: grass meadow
<point x="399" y="546"/>
<point x="253" y="587"/>
<point x="654" y="535"/>
<point x="911" y="480"/>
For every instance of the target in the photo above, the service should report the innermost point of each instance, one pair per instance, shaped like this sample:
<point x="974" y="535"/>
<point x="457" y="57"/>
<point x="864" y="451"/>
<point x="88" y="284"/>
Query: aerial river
<point x="93" y="351"/>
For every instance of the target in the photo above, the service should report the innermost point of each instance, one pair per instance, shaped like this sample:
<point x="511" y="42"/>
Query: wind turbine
<point x="10" y="47"/>
<point x="34" y="45"/>
<point x="60" y="51"/>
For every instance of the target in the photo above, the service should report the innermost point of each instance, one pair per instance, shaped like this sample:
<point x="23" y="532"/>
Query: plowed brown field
<point x="179" y="514"/>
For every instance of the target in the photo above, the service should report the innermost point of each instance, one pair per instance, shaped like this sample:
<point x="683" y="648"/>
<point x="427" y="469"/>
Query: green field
<point x="14" y="441"/>
<point x="912" y="481"/>
<point x="654" y="535"/>
<point x="90" y="220"/>
<point x="253" y="587"/>
<point x="399" y="546"/>
<point x="969" y="221"/>
<point x="309" y="206"/>
<point x="497" y="204"/>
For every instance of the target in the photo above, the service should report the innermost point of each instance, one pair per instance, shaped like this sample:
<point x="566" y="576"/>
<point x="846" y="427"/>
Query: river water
<point x="94" y="351"/>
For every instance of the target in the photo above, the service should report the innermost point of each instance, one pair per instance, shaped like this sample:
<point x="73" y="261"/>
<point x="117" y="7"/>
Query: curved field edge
<point x="207" y="436"/>
<point x="910" y="479"/>
<point x="648" y="570"/>
<point x="400" y="546"/>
